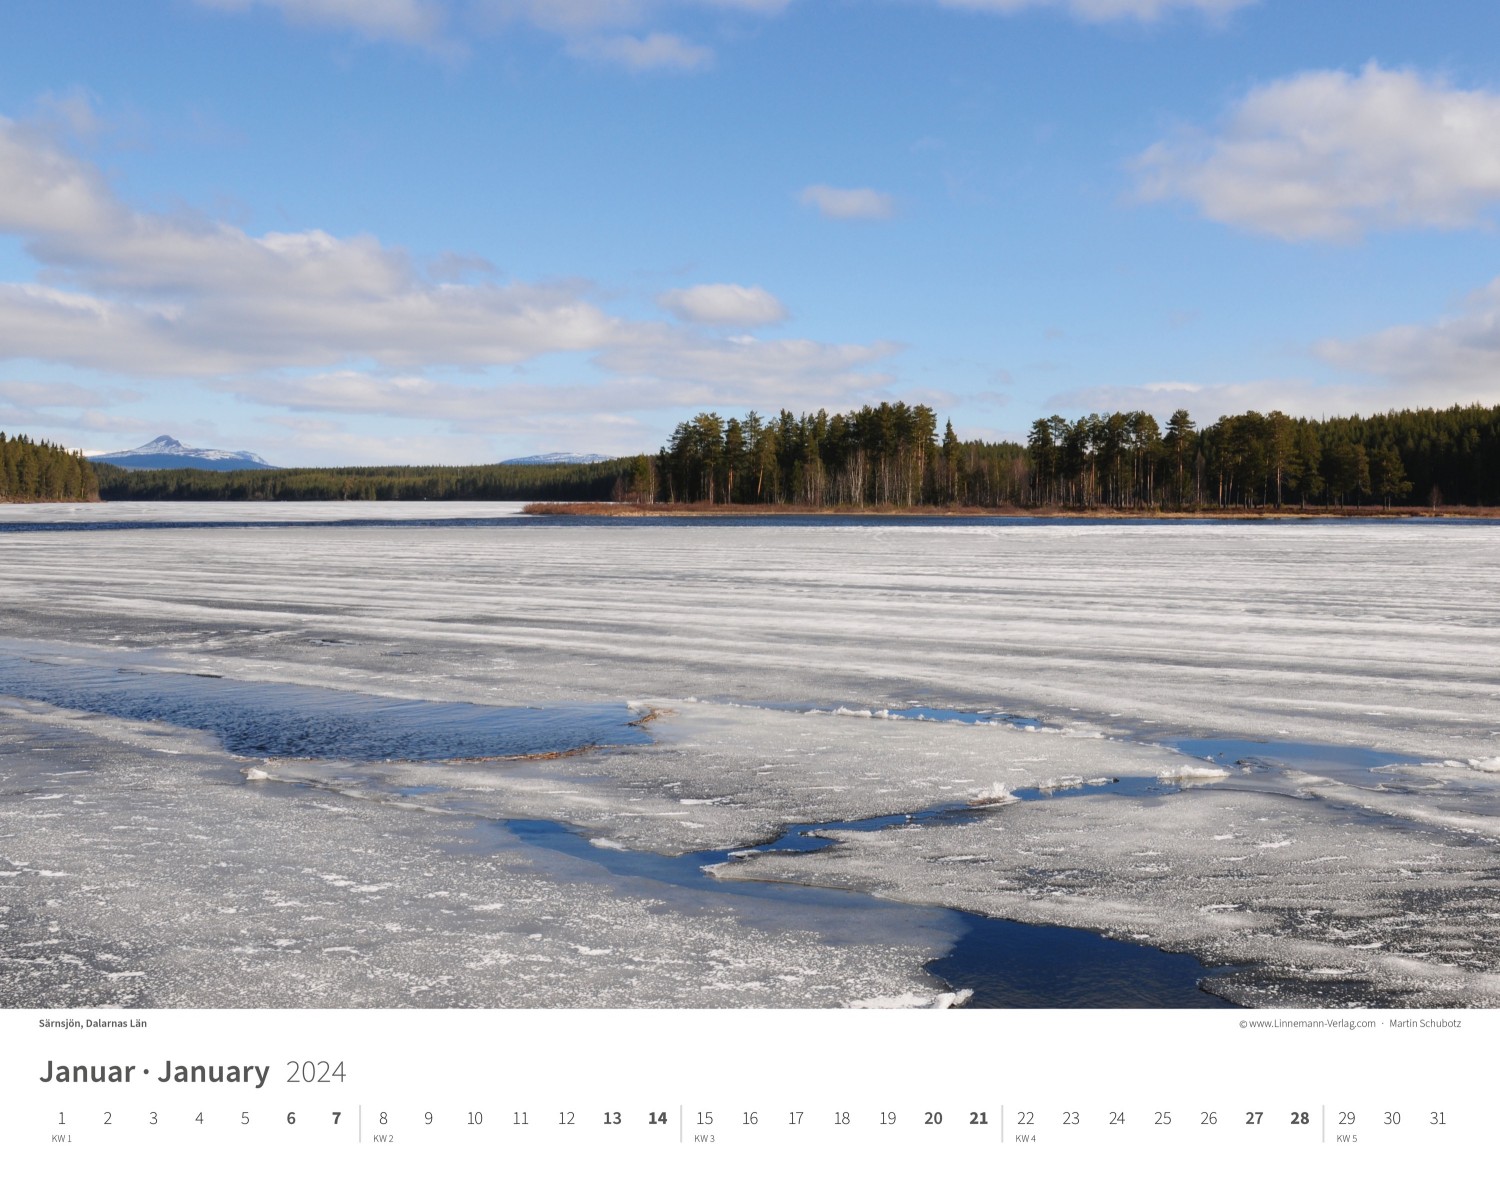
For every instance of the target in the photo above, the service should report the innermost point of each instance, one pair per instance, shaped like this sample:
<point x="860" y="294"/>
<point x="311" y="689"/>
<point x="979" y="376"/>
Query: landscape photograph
<point x="708" y="504"/>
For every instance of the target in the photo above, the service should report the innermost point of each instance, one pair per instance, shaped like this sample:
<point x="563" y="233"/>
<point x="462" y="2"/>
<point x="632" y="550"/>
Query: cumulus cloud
<point x="724" y="305"/>
<point x="125" y="290"/>
<point x="319" y="323"/>
<point x="1332" y="155"/>
<point x="652" y="52"/>
<point x="414" y="21"/>
<point x="849" y="204"/>
<point x="1106" y="10"/>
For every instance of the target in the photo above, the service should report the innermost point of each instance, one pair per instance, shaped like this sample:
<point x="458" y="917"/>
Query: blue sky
<point x="341" y="231"/>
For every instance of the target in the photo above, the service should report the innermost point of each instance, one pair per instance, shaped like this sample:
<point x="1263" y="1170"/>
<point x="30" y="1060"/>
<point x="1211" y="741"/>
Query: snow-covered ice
<point x="778" y="660"/>
<point x="151" y="883"/>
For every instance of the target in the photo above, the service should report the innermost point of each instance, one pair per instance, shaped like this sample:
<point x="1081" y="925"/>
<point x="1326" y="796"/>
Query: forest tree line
<point x="892" y="455"/>
<point x="39" y="472"/>
<point x="586" y="482"/>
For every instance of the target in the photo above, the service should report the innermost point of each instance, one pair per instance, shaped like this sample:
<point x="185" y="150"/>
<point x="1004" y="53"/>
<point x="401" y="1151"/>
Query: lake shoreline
<point x="720" y="510"/>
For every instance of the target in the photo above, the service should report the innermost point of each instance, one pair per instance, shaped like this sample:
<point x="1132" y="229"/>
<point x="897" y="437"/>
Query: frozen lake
<point x="1275" y="748"/>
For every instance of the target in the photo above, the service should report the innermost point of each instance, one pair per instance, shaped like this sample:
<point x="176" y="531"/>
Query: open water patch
<point x="1008" y="965"/>
<point x="1352" y="765"/>
<point x="1011" y="965"/>
<point x="284" y="720"/>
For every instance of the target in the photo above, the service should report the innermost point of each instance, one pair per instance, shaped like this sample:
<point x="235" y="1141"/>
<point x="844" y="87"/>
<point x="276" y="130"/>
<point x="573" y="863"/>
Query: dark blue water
<point x="1008" y="965"/>
<point x="282" y="720"/>
<point x="1027" y="966"/>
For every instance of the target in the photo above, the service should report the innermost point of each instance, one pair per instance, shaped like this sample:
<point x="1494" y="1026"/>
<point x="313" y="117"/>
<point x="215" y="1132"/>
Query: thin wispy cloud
<point x="1456" y="357"/>
<point x="417" y="22"/>
<point x="654" y="51"/>
<point x="1106" y="10"/>
<point x="849" y="204"/>
<point x="630" y="33"/>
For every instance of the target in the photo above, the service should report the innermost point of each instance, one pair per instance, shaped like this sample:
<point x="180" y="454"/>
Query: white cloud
<point x="661" y="368"/>
<point x="849" y="204"/>
<point x="1105" y="10"/>
<point x="639" y="54"/>
<point x="417" y="22"/>
<point x="724" y="304"/>
<point x="1456" y="359"/>
<point x="133" y="291"/>
<point x="1332" y="155"/>
<point x="317" y="323"/>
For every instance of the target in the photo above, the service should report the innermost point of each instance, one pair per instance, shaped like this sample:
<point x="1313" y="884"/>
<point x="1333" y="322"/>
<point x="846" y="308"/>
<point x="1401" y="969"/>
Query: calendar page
<point x="749" y="587"/>
<point x="741" y="1091"/>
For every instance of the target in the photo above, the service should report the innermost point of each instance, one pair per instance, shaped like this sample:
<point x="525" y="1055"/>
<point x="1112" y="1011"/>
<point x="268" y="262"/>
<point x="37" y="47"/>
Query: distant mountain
<point x="167" y="453"/>
<point x="558" y="460"/>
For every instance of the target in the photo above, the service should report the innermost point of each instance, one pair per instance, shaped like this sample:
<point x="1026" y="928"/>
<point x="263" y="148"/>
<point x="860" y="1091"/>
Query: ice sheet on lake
<point x="1374" y="635"/>
<point x="133" y="879"/>
<point x="1370" y="636"/>
<point x="1322" y="912"/>
<point x="253" y="512"/>
<point x="719" y="776"/>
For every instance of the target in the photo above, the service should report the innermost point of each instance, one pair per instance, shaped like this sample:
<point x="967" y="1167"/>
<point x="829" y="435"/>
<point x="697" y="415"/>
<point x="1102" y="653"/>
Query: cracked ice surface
<point x="1373" y="634"/>
<point x="721" y="776"/>
<point x="1320" y="909"/>
<point x="1368" y="636"/>
<point x="133" y="878"/>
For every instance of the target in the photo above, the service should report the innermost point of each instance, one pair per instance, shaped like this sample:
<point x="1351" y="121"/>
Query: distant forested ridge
<point x="594" y="481"/>
<point x="891" y="455"/>
<point x="39" y="472"/>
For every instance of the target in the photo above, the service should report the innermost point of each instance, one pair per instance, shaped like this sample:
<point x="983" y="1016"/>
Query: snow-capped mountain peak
<point x="165" y="452"/>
